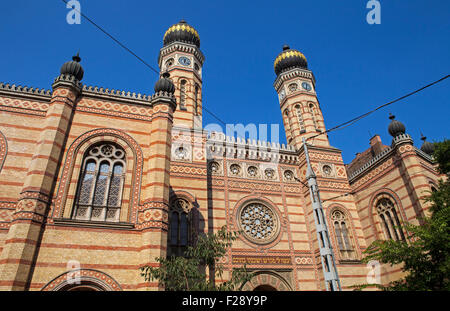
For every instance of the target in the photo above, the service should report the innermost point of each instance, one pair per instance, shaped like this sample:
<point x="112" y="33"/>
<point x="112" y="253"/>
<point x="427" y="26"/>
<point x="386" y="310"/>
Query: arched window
<point x="288" y="126"/>
<point x="183" y="94"/>
<point x="180" y="227"/>
<point x="313" y="115"/>
<point x="343" y="235"/>
<point x="389" y="219"/>
<point x="298" y="109"/>
<point x="196" y="101"/>
<point x="99" y="194"/>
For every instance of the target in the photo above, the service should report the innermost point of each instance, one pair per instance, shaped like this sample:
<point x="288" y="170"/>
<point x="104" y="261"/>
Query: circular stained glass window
<point x="259" y="223"/>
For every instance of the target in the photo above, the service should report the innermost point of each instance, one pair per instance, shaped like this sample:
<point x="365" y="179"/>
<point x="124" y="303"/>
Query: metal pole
<point x="330" y="273"/>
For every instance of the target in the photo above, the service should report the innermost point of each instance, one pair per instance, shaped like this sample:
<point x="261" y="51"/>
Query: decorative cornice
<point x="67" y="80"/>
<point x="296" y="72"/>
<point x="181" y="47"/>
<point x="424" y="155"/>
<point x="164" y="97"/>
<point x="31" y="92"/>
<point x="401" y="138"/>
<point x="105" y="93"/>
<point x="220" y="145"/>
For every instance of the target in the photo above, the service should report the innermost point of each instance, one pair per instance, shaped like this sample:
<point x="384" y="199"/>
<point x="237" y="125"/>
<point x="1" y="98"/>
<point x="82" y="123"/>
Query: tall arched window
<point x="196" y="101"/>
<point x="180" y="227"/>
<point x="288" y="126"/>
<point x="298" y="109"/>
<point x="389" y="219"/>
<point x="183" y="94"/>
<point x="343" y="235"/>
<point x="99" y="194"/>
<point x="313" y="115"/>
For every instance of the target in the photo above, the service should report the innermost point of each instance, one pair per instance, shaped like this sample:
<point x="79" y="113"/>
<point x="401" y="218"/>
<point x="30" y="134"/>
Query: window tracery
<point x="100" y="188"/>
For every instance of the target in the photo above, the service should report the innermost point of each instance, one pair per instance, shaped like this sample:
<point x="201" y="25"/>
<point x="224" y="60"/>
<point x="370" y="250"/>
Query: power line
<point x="132" y="53"/>
<point x="113" y="38"/>
<point x="354" y="120"/>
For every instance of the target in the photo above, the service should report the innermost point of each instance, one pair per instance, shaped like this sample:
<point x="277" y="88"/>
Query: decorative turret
<point x="395" y="128"/>
<point x="73" y="68"/>
<point x="164" y="84"/>
<point x="427" y="147"/>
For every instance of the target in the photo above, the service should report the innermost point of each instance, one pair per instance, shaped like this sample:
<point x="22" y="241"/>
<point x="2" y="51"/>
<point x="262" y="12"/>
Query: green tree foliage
<point x="425" y="257"/>
<point x="188" y="273"/>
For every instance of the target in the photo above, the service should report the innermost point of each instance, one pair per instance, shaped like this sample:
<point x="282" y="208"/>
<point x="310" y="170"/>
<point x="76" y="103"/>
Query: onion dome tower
<point x="295" y="85"/>
<point x="289" y="59"/>
<point x="182" y="58"/>
<point x="73" y="68"/>
<point x="395" y="128"/>
<point x="427" y="147"/>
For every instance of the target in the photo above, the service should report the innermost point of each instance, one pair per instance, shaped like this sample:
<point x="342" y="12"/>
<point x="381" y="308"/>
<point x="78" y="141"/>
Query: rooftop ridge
<point x="371" y="163"/>
<point x="24" y="89"/>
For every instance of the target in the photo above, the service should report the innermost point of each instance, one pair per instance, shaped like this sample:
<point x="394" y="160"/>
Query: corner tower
<point x="182" y="58"/>
<point x="295" y="85"/>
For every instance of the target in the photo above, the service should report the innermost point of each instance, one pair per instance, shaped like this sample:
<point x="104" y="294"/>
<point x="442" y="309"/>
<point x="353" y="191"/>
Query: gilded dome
<point x="289" y="59"/>
<point x="182" y="32"/>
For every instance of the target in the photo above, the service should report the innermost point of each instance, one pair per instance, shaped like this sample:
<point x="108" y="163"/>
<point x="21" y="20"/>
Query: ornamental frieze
<point x="23" y="104"/>
<point x="376" y="172"/>
<point x="121" y="109"/>
<point x="254" y="186"/>
<point x="178" y="169"/>
<point x="261" y="260"/>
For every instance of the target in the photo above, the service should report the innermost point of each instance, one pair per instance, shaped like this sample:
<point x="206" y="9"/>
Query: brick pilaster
<point x="153" y="220"/>
<point x="21" y="244"/>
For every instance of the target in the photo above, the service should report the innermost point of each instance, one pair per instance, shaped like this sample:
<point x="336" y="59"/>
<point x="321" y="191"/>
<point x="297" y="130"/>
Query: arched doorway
<point x="83" y="280"/>
<point x="264" y="288"/>
<point x="267" y="281"/>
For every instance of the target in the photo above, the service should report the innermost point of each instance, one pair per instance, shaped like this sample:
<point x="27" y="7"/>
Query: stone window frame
<point x="184" y="86"/>
<point x="390" y="218"/>
<point x="73" y="163"/>
<point x="299" y="112"/>
<point x="348" y="252"/>
<point x="187" y="210"/>
<point x="312" y="110"/>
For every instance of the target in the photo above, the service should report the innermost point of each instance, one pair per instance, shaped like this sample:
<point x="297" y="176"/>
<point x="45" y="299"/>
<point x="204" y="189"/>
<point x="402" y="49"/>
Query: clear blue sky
<point x="357" y="66"/>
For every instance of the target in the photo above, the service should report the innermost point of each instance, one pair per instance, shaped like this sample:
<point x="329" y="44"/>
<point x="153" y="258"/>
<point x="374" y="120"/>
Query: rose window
<point x="259" y="223"/>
